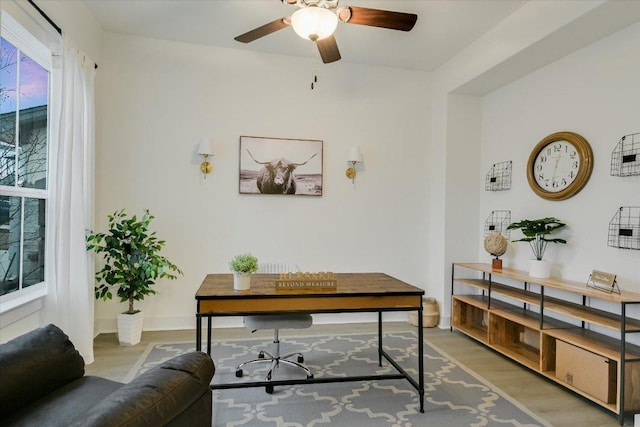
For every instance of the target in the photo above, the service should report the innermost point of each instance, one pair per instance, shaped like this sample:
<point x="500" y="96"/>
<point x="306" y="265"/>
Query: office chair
<point x="276" y="322"/>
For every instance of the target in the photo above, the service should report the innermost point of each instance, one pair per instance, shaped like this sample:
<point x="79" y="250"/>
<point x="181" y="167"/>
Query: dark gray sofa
<point x="42" y="383"/>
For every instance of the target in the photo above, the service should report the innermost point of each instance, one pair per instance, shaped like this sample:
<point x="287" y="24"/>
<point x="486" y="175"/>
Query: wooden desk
<point x="355" y="292"/>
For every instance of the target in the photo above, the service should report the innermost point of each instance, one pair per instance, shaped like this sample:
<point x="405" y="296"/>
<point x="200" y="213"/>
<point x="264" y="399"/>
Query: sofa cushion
<point x="34" y="365"/>
<point x="64" y="405"/>
<point x="158" y="396"/>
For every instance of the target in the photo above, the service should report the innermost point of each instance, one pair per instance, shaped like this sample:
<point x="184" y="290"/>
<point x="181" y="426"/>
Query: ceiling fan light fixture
<point x="314" y="23"/>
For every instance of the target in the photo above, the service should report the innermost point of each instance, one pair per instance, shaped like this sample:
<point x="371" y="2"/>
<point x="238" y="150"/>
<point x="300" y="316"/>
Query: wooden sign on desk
<point x="291" y="281"/>
<point x="603" y="281"/>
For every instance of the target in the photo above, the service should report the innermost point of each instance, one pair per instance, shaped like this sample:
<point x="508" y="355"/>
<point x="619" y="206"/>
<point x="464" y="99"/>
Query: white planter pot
<point x="541" y="269"/>
<point x="241" y="281"/>
<point x="129" y="328"/>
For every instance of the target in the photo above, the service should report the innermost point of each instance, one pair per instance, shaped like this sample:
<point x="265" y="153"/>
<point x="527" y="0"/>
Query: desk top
<point x="220" y="286"/>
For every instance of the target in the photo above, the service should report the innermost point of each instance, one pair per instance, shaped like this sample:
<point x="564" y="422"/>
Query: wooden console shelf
<point x="512" y="313"/>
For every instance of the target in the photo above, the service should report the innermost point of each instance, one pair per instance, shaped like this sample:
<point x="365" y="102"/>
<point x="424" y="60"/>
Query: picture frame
<point x="283" y="166"/>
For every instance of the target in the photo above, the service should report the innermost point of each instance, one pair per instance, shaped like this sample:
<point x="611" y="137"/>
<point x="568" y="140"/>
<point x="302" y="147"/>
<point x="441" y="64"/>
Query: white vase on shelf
<point x="539" y="268"/>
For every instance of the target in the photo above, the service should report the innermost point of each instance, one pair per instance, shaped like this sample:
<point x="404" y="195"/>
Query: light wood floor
<point x="544" y="398"/>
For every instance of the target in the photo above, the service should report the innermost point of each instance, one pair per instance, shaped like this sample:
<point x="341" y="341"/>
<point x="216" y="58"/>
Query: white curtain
<point x="70" y="296"/>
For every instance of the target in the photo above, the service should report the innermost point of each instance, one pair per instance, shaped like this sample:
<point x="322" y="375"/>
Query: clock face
<point x="560" y="166"/>
<point x="556" y="166"/>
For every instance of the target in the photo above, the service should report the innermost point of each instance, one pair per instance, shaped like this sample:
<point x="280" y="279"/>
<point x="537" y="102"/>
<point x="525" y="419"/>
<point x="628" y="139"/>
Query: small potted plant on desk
<point x="243" y="266"/>
<point x="535" y="232"/>
<point x="132" y="265"/>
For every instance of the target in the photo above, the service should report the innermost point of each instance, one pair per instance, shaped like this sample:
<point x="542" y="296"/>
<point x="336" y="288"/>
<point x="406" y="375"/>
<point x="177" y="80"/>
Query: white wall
<point x="592" y="92"/>
<point x="156" y="99"/>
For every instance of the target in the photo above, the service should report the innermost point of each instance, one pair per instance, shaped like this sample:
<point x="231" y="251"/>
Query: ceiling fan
<point x="316" y="20"/>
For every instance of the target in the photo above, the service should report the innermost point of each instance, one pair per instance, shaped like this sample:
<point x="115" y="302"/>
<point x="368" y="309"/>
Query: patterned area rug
<point x="454" y="396"/>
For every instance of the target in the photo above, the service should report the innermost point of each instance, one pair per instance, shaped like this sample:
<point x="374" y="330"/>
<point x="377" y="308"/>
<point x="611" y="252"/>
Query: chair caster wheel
<point x="261" y="355"/>
<point x="269" y="389"/>
<point x="239" y="373"/>
<point x="300" y="359"/>
<point x="310" y="377"/>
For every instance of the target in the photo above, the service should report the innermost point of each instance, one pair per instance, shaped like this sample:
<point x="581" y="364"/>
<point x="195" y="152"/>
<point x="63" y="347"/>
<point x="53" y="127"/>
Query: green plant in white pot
<point x="132" y="265"/>
<point x="243" y="266"/>
<point x="536" y="232"/>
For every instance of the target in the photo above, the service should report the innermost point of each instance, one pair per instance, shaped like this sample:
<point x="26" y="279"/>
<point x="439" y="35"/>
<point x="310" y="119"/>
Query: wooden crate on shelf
<point x="469" y="319"/>
<point x="516" y="340"/>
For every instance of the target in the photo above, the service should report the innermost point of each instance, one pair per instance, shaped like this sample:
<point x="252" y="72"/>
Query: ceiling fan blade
<point x="381" y="18"/>
<point x="328" y="49"/>
<point x="264" y="30"/>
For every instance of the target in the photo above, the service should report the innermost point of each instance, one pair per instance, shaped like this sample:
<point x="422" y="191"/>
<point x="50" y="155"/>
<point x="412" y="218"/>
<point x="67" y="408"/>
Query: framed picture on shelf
<point x="280" y="166"/>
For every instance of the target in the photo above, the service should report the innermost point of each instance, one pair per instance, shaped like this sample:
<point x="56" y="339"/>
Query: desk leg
<point x="379" y="338"/>
<point x="209" y="335"/>
<point x="421" y="359"/>
<point x="198" y="332"/>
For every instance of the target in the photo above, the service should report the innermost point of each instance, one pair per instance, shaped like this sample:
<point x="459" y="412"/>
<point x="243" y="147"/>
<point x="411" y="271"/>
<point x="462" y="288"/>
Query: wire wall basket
<point x="499" y="177"/>
<point x="624" y="228"/>
<point x="625" y="158"/>
<point x="498" y="222"/>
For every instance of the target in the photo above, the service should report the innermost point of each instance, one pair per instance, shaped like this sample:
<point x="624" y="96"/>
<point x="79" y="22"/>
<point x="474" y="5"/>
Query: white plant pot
<point x="241" y="281"/>
<point x="539" y="268"/>
<point x="129" y="328"/>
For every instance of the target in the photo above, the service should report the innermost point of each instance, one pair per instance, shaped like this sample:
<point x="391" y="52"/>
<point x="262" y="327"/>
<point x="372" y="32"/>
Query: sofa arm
<point x="157" y="396"/>
<point x="35" y="364"/>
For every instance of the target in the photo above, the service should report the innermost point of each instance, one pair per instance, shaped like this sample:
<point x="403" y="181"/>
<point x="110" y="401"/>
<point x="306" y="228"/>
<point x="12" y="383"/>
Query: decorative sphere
<point x="495" y="244"/>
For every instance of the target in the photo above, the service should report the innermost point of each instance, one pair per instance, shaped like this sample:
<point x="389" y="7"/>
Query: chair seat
<point x="278" y="321"/>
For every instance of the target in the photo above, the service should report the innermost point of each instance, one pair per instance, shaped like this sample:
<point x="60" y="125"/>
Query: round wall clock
<point x="560" y="166"/>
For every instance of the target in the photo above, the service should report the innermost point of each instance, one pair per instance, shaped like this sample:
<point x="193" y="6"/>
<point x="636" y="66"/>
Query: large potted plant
<point x="536" y="232"/>
<point x="132" y="265"/>
<point x="243" y="266"/>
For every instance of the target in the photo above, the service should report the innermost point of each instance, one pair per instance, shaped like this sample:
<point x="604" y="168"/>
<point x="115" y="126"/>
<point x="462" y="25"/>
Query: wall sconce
<point x="205" y="150"/>
<point x="355" y="156"/>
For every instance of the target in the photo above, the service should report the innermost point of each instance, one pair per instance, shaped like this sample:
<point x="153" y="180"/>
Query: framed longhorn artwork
<point x="280" y="166"/>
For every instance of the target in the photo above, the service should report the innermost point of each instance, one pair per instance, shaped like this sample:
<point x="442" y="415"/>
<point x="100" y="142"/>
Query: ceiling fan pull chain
<point x="314" y="74"/>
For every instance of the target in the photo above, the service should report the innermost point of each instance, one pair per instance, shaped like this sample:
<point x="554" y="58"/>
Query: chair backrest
<point x="277" y="267"/>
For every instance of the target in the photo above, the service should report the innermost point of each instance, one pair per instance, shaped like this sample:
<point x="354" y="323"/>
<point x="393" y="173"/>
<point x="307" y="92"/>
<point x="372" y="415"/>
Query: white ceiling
<point x="442" y="30"/>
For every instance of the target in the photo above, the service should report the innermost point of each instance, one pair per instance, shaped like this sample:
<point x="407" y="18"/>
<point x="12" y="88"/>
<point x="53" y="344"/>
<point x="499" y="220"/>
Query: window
<point x="24" y="160"/>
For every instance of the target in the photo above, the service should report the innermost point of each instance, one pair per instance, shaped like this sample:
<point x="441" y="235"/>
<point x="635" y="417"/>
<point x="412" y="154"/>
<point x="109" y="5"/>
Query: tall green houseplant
<point x="132" y="258"/>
